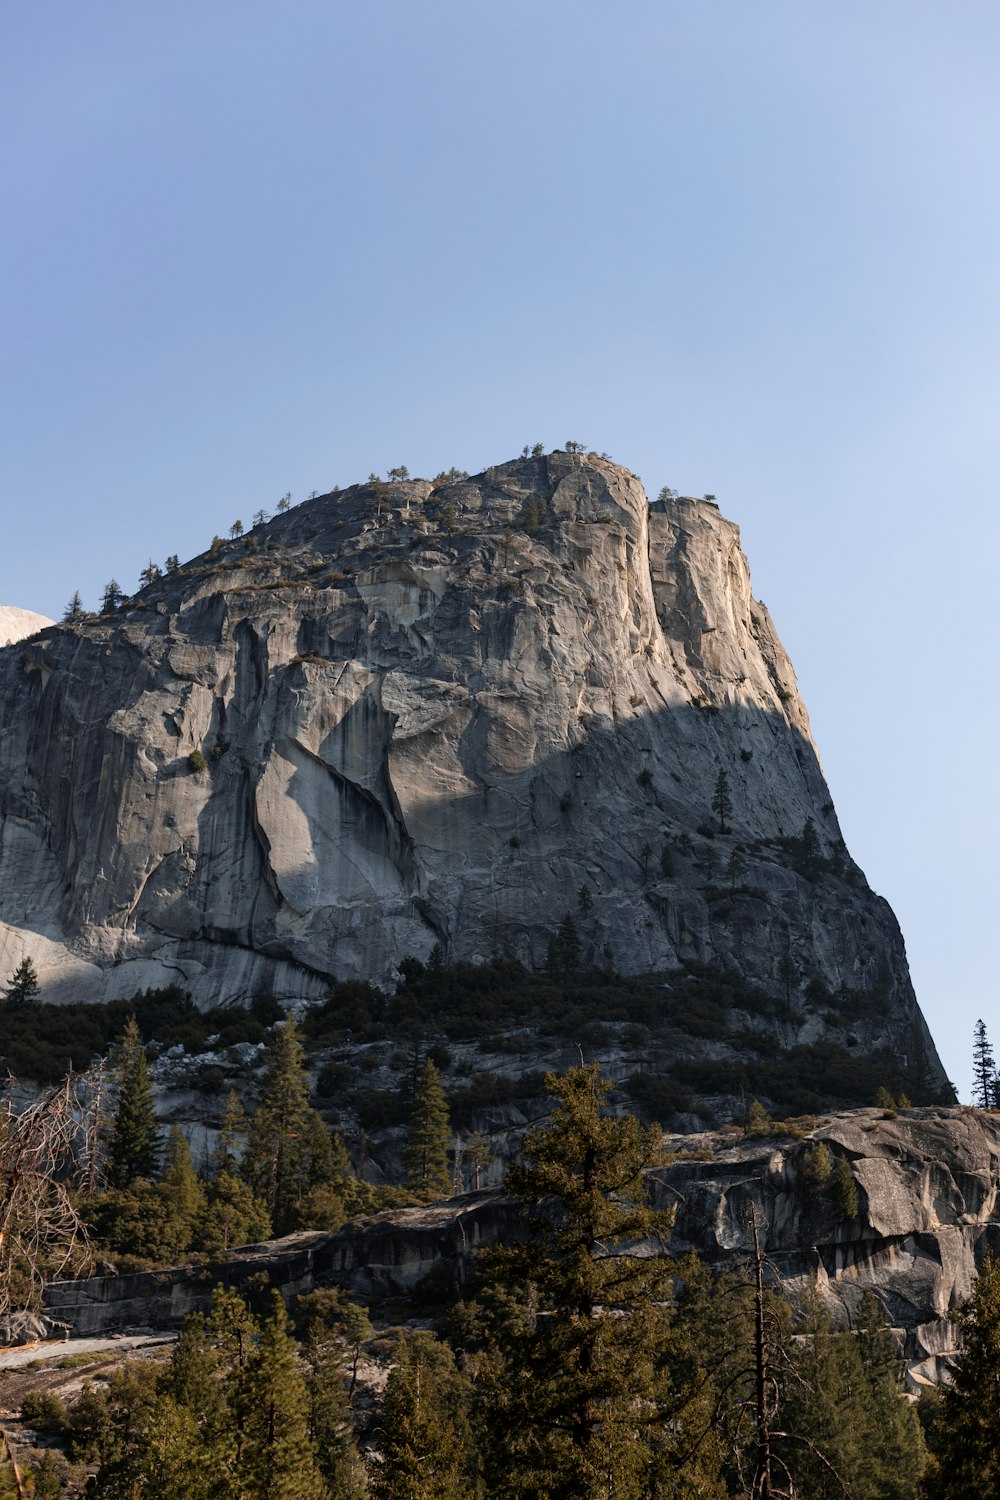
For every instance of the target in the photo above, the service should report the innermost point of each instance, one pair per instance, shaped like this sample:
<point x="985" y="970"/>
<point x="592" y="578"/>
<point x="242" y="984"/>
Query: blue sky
<point x="746" y="248"/>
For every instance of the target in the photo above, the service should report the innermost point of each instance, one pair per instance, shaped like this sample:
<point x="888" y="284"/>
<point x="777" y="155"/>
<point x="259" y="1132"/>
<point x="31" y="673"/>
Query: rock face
<point x="18" y="624"/>
<point x="927" y="1187"/>
<point x="405" y="715"/>
<point x="388" y="1255"/>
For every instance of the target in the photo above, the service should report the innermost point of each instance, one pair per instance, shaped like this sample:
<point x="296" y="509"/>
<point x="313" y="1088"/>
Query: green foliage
<point x="722" y="802"/>
<point x="863" y="1438"/>
<point x="232" y="1215"/>
<point x="984" y="1088"/>
<point x="423" y="1456"/>
<point x="563" y="960"/>
<point x="22" y="988"/>
<point x="426" y="1155"/>
<point x="229" y="1416"/>
<point x="966" y="1441"/>
<point x="816" y="1166"/>
<point x="46" y="1477"/>
<point x="44" y="1411"/>
<point x="270" y="1407"/>
<point x="40" y="1042"/>
<point x="758" y="1120"/>
<point x="132" y="1150"/>
<point x="844" y="1191"/>
<point x="133" y="1224"/>
<point x="182" y="1194"/>
<point x="289" y="1150"/>
<point x="197" y="763"/>
<point x="574" y="1325"/>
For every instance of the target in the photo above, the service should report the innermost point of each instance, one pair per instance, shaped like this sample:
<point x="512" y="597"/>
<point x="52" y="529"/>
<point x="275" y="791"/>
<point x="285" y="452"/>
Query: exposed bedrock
<point x="430" y="716"/>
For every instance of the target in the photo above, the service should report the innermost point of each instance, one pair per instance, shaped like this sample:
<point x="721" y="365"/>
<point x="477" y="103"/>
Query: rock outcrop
<point x="389" y="1255"/>
<point x="402" y="716"/>
<point x="926" y="1183"/>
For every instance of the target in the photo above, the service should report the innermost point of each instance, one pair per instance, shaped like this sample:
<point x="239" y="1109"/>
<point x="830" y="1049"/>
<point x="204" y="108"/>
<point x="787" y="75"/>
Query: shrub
<point x="758" y="1121"/>
<point x="197" y="763"/>
<point x="817" y="1164"/>
<point x="645" y="776"/>
<point x="44" y="1411"/>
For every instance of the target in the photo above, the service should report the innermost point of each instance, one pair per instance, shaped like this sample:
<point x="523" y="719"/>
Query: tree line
<point x="582" y="1362"/>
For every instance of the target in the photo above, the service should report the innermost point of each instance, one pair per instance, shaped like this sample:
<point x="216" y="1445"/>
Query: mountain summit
<point x="411" y="715"/>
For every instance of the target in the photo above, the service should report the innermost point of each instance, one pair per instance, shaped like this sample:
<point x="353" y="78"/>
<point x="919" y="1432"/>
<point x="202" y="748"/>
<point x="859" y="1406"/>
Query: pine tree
<point x="111" y="598"/>
<point x="844" y="1190"/>
<point x="965" y="1443"/>
<point x="270" y="1404"/>
<point x="232" y="1129"/>
<point x="232" y="1215"/>
<point x="74" y="609"/>
<point x="809" y="846"/>
<point x="827" y="1410"/>
<point x="45" y="1478"/>
<point x="422" y="1456"/>
<point x="426" y="1154"/>
<point x="23" y="986"/>
<point x="984" y="1071"/>
<point x="181" y="1193"/>
<point x="897" y="1454"/>
<point x="722" y="802"/>
<point x="133" y="1150"/>
<point x="335" y="1330"/>
<point x="570" y="1383"/>
<point x="288" y="1150"/>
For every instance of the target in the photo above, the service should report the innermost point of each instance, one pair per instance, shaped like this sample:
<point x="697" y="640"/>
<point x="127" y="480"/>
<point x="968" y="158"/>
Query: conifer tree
<point x="133" y="1150"/>
<point x="111" y="597"/>
<point x="180" y="1191"/>
<point x="426" y="1154"/>
<point x="563" y="959"/>
<point x="722" y="802"/>
<point x="809" y="846"/>
<point x="422" y="1455"/>
<point x="276" y="1458"/>
<point x="984" y="1071"/>
<point x="231" y="1215"/>
<point x="22" y="988"/>
<point x="897" y="1454"/>
<point x="571" y="1376"/>
<point x="288" y="1148"/>
<point x="965" y="1443"/>
<point x="335" y="1330"/>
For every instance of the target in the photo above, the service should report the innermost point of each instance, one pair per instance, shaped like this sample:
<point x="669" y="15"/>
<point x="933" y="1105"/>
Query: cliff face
<point x="433" y="716"/>
<point x="927" y="1212"/>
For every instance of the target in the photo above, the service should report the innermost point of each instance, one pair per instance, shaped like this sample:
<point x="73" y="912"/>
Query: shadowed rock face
<point x="431" y="716"/>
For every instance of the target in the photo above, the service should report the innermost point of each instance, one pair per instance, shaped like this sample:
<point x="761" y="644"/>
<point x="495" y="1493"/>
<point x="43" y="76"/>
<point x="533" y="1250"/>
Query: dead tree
<point x="41" y="1234"/>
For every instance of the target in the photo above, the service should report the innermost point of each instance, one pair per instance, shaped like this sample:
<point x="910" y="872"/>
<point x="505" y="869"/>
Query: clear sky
<point x="746" y="246"/>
